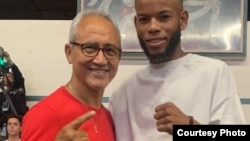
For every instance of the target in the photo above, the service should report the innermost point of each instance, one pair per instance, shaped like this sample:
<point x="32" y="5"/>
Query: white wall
<point x="37" y="47"/>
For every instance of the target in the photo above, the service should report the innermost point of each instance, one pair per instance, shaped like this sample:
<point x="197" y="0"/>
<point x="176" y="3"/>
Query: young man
<point x="75" y="111"/>
<point x="176" y="87"/>
<point x="14" y="127"/>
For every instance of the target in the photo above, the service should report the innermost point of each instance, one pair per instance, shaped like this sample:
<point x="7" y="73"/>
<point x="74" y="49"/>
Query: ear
<point x="68" y="52"/>
<point x="135" y="21"/>
<point x="184" y="19"/>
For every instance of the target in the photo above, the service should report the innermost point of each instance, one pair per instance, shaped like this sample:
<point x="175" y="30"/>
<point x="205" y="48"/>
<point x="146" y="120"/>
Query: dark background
<point x="248" y="9"/>
<point x="38" y="9"/>
<point x="43" y="9"/>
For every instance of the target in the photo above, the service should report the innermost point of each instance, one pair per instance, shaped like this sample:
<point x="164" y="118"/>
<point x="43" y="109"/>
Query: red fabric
<point x="44" y="120"/>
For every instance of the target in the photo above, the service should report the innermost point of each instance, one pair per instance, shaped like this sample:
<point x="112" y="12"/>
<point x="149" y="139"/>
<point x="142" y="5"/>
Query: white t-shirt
<point x="200" y="86"/>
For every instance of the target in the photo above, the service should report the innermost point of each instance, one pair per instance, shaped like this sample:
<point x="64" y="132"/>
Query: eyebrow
<point x="161" y="12"/>
<point x="96" y="44"/>
<point x="165" y="11"/>
<point x="90" y="43"/>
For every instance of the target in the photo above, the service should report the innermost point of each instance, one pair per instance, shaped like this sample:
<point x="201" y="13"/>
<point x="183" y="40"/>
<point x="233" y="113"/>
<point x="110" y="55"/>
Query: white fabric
<point x="201" y="87"/>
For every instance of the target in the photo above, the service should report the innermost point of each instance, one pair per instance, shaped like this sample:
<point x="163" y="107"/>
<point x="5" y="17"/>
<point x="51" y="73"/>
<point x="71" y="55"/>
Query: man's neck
<point x="13" y="138"/>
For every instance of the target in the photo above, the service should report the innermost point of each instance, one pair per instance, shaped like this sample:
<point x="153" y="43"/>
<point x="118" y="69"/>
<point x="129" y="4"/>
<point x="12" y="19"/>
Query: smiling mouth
<point x="99" y="73"/>
<point x="154" y="40"/>
<point x="154" y="43"/>
<point x="99" y="70"/>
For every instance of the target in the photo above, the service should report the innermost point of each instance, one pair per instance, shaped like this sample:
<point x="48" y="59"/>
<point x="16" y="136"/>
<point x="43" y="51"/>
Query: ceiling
<point x="38" y="9"/>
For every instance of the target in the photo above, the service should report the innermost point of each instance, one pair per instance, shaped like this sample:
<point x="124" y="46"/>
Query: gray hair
<point x="81" y="15"/>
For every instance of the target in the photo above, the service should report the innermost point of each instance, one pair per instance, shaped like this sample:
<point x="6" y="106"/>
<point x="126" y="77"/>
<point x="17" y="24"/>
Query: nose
<point x="100" y="58"/>
<point x="154" y="26"/>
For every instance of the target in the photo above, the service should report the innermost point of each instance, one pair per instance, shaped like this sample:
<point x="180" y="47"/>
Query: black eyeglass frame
<point x="98" y="50"/>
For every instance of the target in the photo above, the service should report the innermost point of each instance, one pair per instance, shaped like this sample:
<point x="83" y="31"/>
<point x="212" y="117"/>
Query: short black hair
<point x="19" y="118"/>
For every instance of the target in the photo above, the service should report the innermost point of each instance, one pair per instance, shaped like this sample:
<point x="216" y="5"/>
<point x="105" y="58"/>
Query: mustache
<point x="98" y="67"/>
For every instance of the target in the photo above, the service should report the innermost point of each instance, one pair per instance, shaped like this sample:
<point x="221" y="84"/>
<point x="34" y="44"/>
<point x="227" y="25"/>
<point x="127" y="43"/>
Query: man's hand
<point x="167" y="115"/>
<point x="71" y="132"/>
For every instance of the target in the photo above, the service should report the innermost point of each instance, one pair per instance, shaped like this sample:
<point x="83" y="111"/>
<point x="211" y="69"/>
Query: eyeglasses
<point x="92" y="49"/>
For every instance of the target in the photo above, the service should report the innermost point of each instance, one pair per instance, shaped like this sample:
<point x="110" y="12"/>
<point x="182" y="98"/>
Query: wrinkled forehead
<point x="97" y="27"/>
